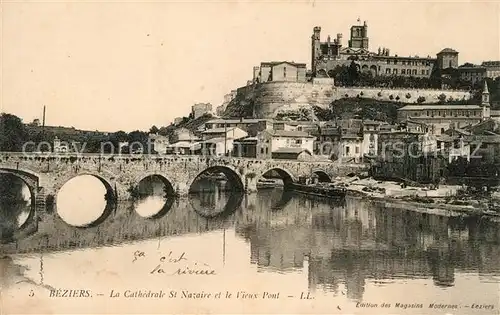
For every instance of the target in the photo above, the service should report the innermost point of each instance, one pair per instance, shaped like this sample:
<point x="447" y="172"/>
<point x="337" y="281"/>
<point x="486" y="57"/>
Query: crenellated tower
<point x="315" y="47"/>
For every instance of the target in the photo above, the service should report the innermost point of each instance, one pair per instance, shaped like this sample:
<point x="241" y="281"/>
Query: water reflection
<point x="155" y="197"/>
<point x="15" y="206"/>
<point x="345" y="248"/>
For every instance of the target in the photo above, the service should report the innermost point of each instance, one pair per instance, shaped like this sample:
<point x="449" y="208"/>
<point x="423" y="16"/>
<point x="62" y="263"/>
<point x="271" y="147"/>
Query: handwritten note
<point x="175" y="264"/>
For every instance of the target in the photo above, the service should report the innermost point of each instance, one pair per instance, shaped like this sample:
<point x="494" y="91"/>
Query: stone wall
<point x="266" y="99"/>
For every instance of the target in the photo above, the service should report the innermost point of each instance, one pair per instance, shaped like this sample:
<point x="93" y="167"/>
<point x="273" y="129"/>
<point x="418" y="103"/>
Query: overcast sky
<point x="128" y="65"/>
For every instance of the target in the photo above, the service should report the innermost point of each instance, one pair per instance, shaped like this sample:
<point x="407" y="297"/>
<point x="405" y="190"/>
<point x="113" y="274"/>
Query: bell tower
<point x="485" y="101"/>
<point x="359" y="36"/>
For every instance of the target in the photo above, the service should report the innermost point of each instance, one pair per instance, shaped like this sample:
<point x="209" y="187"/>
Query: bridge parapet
<point x="122" y="172"/>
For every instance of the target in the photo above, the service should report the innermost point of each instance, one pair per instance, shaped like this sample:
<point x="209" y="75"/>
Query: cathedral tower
<point x="359" y="36"/>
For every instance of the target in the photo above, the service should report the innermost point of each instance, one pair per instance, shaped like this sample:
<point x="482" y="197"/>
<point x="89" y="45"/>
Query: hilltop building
<point x="200" y="109"/>
<point x="326" y="56"/>
<point x="475" y="73"/>
<point x="288" y="71"/>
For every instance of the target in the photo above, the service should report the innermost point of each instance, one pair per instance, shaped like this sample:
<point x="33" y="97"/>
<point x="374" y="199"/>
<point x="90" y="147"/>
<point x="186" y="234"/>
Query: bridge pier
<point x="250" y="185"/>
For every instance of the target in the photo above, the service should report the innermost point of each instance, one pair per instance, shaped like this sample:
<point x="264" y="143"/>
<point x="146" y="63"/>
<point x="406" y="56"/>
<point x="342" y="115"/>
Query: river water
<point x="296" y="253"/>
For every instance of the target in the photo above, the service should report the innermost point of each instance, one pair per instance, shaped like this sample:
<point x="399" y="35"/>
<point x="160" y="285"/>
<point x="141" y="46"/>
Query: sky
<point x="128" y="65"/>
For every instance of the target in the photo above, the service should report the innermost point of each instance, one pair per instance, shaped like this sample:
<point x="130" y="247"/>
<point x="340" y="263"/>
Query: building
<point x="292" y="154"/>
<point x="227" y="99"/>
<point x="220" y="141"/>
<point x="351" y="147"/>
<point x="251" y="126"/>
<point x="475" y="73"/>
<point x="440" y="118"/>
<point x="472" y="73"/>
<point x="371" y="130"/>
<point x="246" y="147"/>
<point x="326" y="56"/>
<point x="492" y="68"/>
<point x="402" y="157"/>
<point x="60" y="146"/>
<point x="178" y="120"/>
<point x="279" y="71"/>
<point x="183" y="134"/>
<point x="447" y="58"/>
<point x="270" y="141"/>
<point x="200" y="109"/>
<point x="160" y="143"/>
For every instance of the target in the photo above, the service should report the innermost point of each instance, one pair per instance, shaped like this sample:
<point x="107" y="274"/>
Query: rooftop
<point x="424" y="107"/>
<point x="291" y="134"/>
<point x="448" y="51"/>
<point x="291" y="150"/>
<point x="219" y="130"/>
<point x="235" y="121"/>
<point x="274" y="63"/>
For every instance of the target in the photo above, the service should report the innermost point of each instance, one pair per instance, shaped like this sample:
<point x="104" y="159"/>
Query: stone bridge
<point x="46" y="174"/>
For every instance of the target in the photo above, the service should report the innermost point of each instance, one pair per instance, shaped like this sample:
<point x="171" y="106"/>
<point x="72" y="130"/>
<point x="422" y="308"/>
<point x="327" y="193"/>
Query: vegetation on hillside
<point x="361" y="108"/>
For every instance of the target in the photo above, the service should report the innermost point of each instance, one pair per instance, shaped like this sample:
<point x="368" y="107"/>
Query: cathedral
<point x="326" y="56"/>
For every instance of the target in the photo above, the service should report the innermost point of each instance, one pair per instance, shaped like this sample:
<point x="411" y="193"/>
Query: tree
<point x="442" y="97"/>
<point x="13" y="134"/>
<point x="153" y="129"/>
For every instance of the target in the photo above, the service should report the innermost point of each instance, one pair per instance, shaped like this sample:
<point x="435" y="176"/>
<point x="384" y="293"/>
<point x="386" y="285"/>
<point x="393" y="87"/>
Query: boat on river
<point x="265" y="183"/>
<point x="329" y="191"/>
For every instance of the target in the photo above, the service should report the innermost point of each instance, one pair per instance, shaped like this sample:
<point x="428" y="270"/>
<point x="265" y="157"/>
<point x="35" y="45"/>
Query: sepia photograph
<point x="249" y="157"/>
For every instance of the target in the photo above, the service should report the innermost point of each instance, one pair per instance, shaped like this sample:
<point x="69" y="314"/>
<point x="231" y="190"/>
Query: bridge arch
<point x="30" y="178"/>
<point x="164" y="179"/>
<point x="232" y="175"/>
<point x="110" y="198"/>
<point x="285" y="174"/>
<point x="322" y="175"/>
<point x="108" y="184"/>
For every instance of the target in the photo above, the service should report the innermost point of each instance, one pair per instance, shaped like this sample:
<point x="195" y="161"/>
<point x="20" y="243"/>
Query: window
<point x="388" y="71"/>
<point x="403" y="71"/>
<point x="284" y="72"/>
<point x="404" y="62"/>
<point x="347" y="150"/>
<point x="449" y="64"/>
<point x="388" y="61"/>
<point x="408" y="71"/>
<point x="298" y="141"/>
<point x="423" y="72"/>
<point x="395" y="62"/>
<point x="261" y="150"/>
<point x="427" y="72"/>
<point x="395" y="71"/>
<point x="357" y="149"/>
<point x="415" y="71"/>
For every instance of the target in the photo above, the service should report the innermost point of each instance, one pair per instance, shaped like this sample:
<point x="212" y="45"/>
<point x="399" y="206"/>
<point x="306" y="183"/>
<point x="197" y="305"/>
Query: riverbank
<point x="444" y="200"/>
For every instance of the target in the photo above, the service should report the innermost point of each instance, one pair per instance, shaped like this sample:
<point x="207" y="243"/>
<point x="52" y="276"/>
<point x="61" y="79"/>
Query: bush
<point x="408" y="95"/>
<point x="391" y="97"/>
<point x="420" y="99"/>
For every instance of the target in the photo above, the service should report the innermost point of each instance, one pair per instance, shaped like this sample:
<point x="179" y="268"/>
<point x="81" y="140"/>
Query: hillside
<point x="360" y="108"/>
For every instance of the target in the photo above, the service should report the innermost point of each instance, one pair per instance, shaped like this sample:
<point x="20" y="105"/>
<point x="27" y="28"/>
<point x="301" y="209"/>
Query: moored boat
<point x="329" y="191"/>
